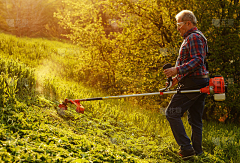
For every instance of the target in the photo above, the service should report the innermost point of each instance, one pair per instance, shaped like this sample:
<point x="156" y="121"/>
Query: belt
<point x="200" y="76"/>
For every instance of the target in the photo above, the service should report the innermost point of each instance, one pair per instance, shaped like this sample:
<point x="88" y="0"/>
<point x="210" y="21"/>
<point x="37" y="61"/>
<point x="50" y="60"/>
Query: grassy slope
<point x="33" y="129"/>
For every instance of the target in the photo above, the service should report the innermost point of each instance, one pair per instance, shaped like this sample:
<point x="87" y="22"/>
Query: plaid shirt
<point x="191" y="55"/>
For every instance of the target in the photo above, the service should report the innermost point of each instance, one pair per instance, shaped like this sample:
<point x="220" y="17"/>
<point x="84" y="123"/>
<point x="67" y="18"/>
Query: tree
<point x="26" y="17"/>
<point x="128" y="42"/>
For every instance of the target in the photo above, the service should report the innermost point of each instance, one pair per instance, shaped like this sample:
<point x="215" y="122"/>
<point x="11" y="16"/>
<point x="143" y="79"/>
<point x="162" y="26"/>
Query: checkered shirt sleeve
<point x="191" y="56"/>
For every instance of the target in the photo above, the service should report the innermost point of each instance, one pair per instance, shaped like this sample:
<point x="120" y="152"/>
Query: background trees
<point x="29" y="18"/>
<point x="130" y="59"/>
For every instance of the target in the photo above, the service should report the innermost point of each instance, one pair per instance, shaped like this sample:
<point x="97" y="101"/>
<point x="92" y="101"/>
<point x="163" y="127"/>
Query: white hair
<point x="187" y="15"/>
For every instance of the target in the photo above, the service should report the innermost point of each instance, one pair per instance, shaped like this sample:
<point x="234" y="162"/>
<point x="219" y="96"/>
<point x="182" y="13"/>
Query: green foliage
<point x="128" y="61"/>
<point x="30" y="18"/>
<point x="127" y="43"/>
<point x="121" y="47"/>
<point x="17" y="81"/>
<point x="224" y="58"/>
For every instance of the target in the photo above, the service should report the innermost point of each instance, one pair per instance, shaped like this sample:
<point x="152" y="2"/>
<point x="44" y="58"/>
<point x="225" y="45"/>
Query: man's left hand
<point x="170" y="72"/>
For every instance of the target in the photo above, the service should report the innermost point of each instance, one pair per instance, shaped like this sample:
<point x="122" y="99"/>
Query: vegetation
<point x="117" y="47"/>
<point x="33" y="129"/>
<point x="129" y="59"/>
<point x="30" y="18"/>
<point x="122" y="45"/>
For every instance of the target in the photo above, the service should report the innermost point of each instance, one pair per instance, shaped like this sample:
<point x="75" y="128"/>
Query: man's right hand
<point x="174" y="82"/>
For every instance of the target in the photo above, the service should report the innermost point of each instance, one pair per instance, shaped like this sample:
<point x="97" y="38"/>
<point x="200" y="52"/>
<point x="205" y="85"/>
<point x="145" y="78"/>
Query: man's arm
<point x="197" y="52"/>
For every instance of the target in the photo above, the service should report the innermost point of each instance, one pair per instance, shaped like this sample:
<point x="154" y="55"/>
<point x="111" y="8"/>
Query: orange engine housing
<point x="216" y="86"/>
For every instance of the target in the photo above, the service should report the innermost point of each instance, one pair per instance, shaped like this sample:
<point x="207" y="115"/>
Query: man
<point x="190" y="73"/>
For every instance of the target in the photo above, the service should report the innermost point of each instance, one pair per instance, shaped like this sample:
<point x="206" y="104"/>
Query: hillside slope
<point x="34" y="129"/>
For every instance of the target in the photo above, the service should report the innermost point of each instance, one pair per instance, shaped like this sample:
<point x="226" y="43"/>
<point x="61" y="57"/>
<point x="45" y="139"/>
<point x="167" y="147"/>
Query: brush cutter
<point x="216" y="88"/>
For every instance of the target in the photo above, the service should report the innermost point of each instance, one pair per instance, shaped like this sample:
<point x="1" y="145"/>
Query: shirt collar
<point x="189" y="32"/>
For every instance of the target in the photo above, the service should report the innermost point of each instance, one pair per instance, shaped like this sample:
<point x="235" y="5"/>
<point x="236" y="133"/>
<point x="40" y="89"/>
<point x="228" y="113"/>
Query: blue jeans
<point x="193" y="103"/>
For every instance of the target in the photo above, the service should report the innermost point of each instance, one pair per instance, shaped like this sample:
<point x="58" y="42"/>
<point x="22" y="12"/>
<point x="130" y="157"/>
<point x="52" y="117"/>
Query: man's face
<point x="182" y="26"/>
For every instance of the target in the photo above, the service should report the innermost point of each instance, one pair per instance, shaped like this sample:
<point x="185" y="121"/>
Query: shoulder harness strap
<point x="208" y="54"/>
<point x="198" y="32"/>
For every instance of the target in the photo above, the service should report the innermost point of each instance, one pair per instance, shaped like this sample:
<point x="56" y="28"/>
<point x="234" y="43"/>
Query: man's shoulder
<point x="196" y="35"/>
<point x="193" y="36"/>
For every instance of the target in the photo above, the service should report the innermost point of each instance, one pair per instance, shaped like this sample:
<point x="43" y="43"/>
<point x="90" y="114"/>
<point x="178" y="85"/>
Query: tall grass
<point x="34" y="129"/>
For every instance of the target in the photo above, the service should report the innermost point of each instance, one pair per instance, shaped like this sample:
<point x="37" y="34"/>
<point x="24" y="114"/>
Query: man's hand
<point x="174" y="82"/>
<point x="170" y="72"/>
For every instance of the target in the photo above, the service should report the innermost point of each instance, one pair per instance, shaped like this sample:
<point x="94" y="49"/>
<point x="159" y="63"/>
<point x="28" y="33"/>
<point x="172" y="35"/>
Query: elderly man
<point x="190" y="73"/>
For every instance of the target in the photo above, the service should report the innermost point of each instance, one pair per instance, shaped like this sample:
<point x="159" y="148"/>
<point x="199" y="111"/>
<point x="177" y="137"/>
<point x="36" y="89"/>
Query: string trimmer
<point x="216" y="88"/>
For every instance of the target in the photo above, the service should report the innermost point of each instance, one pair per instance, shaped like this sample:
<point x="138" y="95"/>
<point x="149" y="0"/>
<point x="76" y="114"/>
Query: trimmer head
<point x="79" y="109"/>
<point x="62" y="106"/>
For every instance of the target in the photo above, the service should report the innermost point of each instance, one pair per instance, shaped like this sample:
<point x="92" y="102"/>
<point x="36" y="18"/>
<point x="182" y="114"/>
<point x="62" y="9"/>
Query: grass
<point x="34" y="129"/>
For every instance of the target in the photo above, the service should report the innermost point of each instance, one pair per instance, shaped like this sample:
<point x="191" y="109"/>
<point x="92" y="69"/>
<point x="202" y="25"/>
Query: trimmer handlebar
<point x="169" y="80"/>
